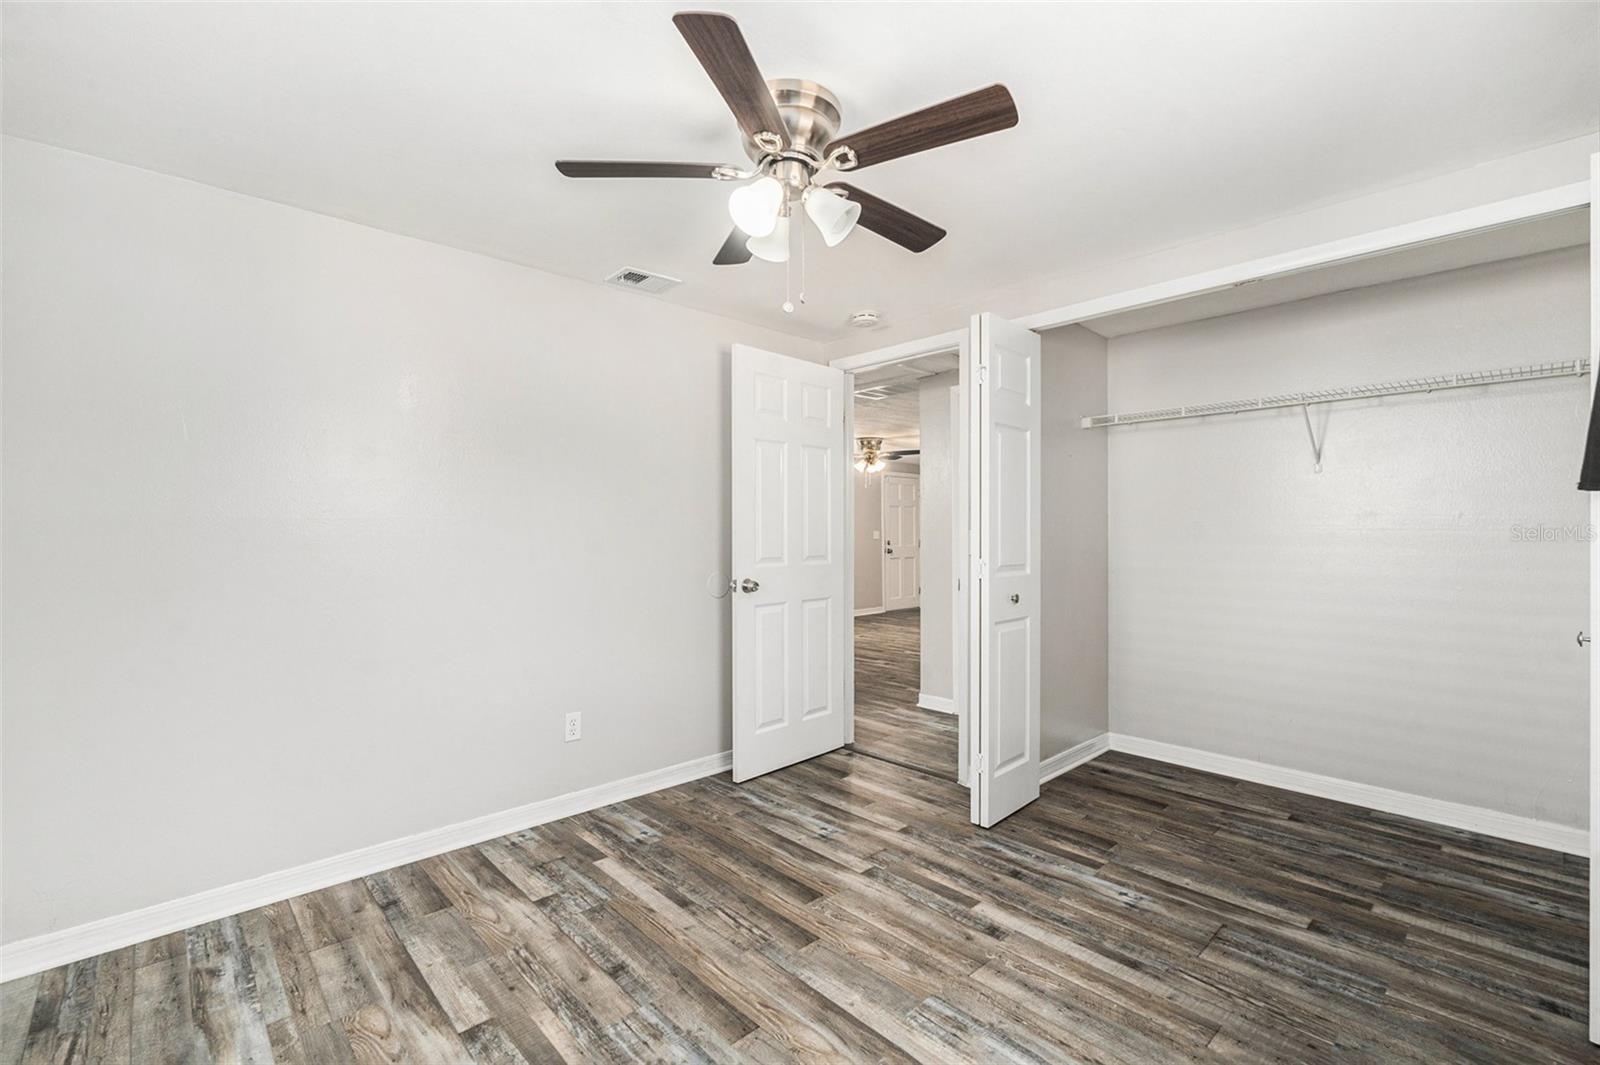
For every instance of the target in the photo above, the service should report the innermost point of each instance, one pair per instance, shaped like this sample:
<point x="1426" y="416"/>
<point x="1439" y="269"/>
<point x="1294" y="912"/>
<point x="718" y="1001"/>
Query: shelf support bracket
<point x="1316" y="447"/>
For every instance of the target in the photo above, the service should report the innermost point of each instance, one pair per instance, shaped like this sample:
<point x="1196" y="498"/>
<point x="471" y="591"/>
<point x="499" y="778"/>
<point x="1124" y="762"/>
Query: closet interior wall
<point x="1074" y="553"/>
<point x="1405" y="618"/>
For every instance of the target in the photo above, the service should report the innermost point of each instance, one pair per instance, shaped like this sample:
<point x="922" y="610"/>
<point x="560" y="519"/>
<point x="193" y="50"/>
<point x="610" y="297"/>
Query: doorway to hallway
<point x="889" y="723"/>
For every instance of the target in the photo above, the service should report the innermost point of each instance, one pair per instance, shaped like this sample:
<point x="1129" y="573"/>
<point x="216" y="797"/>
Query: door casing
<point x="963" y="488"/>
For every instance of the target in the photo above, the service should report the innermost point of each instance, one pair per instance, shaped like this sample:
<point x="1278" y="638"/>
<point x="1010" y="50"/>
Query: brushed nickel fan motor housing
<point x="811" y="120"/>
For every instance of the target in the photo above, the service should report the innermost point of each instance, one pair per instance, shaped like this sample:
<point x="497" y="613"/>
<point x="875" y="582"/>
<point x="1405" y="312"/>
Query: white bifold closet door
<point x="1004" y="414"/>
<point x="790" y="458"/>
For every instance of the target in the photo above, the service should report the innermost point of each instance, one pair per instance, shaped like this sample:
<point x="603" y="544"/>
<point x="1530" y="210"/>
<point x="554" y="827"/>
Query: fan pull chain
<point x="802" y="262"/>
<point x="788" y="284"/>
<point x="788" y="269"/>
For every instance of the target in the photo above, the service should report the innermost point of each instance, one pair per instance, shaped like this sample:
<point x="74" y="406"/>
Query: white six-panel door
<point x="1005" y="688"/>
<point x="790" y="458"/>
<point x="902" y="537"/>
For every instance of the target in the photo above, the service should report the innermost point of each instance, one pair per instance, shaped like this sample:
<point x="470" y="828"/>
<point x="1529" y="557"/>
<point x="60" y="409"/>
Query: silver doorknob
<point x="1015" y="598"/>
<point x="748" y="585"/>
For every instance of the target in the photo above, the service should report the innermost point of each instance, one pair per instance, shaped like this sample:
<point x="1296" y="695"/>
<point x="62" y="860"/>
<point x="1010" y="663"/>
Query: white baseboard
<point x="1073" y="757"/>
<point x="937" y="703"/>
<point x="1564" y="838"/>
<point x="46" y="951"/>
<point x="864" y="611"/>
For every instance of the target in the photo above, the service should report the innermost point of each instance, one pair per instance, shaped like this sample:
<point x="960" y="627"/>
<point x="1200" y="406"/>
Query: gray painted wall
<point x="1383" y="621"/>
<point x="1073" y="619"/>
<point x="936" y="488"/>
<point x="314" y="533"/>
<point x="868" y="547"/>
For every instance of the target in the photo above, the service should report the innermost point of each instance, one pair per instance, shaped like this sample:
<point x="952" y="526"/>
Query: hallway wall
<point x="938" y="579"/>
<point x="868" y="539"/>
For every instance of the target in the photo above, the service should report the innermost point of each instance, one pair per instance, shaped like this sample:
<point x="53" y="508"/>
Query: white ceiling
<point x="888" y="400"/>
<point x="1142" y="125"/>
<point x="896" y="419"/>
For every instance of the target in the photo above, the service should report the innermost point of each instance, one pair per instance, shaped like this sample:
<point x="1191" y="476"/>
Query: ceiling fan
<point x="870" y="456"/>
<point x="790" y="129"/>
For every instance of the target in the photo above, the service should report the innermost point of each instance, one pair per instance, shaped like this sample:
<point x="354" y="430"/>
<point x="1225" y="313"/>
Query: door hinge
<point x="983" y="569"/>
<point x="983" y="375"/>
<point x="976" y="769"/>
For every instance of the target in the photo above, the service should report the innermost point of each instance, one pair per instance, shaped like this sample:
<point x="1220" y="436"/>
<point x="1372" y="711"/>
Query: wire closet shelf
<point x="1405" y="386"/>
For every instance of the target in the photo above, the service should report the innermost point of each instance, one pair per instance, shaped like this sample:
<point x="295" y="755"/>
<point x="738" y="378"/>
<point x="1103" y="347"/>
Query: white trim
<point x="866" y="610"/>
<point x="942" y="344"/>
<point x="1073" y="757"/>
<point x="51" y="949"/>
<point x="1348" y="249"/>
<point x="939" y="704"/>
<point x="958" y="573"/>
<point x="1564" y="838"/>
<point x="848" y="652"/>
<point x="1594" y="615"/>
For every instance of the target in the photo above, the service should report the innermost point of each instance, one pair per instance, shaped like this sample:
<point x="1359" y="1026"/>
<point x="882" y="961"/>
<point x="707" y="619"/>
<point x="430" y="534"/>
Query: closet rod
<point x="1406" y="386"/>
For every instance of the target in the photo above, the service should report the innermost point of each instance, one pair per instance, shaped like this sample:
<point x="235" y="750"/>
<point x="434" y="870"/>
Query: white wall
<point x="868" y="539"/>
<point x="314" y="533"/>
<point x="936" y="496"/>
<point x="1382" y="621"/>
<point x="1073" y="637"/>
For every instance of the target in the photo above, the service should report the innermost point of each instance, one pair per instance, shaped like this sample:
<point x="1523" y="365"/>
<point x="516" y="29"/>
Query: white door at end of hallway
<point x="902" y="536"/>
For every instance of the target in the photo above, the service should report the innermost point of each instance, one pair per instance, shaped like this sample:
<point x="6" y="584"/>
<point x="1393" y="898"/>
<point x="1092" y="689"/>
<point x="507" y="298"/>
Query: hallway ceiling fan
<point x="790" y="129"/>
<point x="871" y="457"/>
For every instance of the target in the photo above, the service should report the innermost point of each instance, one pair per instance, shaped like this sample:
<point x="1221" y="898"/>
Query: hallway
<point x="889" y="724"/>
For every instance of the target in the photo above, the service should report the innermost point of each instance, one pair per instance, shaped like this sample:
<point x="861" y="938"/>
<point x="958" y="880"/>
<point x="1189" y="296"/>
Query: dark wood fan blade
<point x="985" y="111"/>
<point x="887" y="220"/>
<point x="734" y="250"/>
<point x="585" y="168"/>
<point x="718" y="44"/>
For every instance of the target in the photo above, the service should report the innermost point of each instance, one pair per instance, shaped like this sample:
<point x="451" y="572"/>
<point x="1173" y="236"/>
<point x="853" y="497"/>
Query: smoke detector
<point x="865" y="319"/>
<point x="641" y="280"/>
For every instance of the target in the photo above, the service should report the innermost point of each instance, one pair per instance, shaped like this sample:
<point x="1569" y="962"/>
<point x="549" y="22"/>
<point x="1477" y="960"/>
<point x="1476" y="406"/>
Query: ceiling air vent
<point x="642" y="280"/>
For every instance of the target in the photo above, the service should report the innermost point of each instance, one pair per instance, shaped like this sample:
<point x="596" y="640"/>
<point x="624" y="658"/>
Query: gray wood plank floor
<point x="844" y="910"/>
<point x="889" y="724"/>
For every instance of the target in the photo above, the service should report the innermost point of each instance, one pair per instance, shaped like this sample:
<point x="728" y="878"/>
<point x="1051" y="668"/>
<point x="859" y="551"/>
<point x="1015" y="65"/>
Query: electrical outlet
<point x="574" y="727"/>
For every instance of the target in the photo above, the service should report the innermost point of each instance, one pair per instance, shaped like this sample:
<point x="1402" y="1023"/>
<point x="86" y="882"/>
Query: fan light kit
<point x="871" y="460"/>
<point x="790" y="129"/>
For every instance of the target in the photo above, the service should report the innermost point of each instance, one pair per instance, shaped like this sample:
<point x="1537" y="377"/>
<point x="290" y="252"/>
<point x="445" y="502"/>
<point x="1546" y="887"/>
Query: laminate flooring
<point x="889" y="724"/>
<point x="843" y="910"/>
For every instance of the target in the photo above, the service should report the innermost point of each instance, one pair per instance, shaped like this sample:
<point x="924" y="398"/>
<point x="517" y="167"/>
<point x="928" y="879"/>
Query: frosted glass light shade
<point x="774" y="247"/>
<point x="754" y="207"/>
<point x="832" y="214"/>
